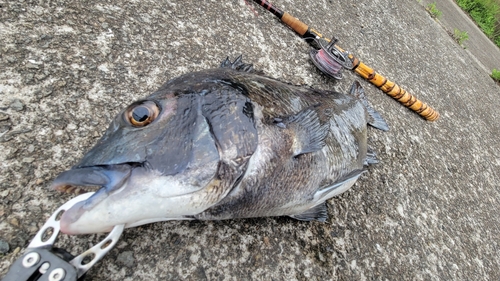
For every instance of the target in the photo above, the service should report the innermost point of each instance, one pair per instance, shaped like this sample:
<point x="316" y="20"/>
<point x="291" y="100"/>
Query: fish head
<point x="169" y="156"/>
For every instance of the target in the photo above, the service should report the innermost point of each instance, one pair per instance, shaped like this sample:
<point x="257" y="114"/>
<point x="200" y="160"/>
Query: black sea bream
<point x="220" y="144"/>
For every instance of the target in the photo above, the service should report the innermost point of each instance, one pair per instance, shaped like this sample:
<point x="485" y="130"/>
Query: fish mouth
<point x="85" y="179"/>
<point x="109" y="178"/>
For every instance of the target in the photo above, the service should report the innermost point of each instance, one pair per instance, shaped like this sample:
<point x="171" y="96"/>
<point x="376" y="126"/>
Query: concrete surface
<point x="478" y="44"/>
<point x="428" y="211"/>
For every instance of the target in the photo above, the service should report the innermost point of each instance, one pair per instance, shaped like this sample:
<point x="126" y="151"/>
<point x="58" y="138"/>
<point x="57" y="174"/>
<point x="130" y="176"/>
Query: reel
<point x="330" y="59"/>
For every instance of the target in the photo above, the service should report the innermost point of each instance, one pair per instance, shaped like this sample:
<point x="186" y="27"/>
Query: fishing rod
<point x="330" y="59"/>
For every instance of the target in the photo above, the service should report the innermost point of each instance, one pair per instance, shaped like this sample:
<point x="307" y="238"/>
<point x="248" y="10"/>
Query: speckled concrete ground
<point x="428" y="211"/>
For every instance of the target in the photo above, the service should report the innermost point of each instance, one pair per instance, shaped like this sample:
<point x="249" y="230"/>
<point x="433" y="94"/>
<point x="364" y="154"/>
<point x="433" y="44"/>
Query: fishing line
<point x="330" y="60"/>
<point x="326" y="64"/>
<point x="251" y="8"/>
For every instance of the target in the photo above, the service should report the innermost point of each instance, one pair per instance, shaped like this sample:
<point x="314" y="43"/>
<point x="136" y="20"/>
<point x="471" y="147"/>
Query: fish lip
<point x="110" y="178"/>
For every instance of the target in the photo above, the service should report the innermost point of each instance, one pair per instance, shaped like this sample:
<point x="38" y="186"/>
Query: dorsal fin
<point x="239" y="65"/>
<point x="375" y="119"/>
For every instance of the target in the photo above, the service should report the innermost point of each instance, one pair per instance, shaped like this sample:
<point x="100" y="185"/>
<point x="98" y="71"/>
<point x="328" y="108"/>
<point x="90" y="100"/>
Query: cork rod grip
<point x="298" y="26"/>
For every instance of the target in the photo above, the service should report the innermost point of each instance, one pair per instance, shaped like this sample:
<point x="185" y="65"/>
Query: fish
<point x="223" y="143"/>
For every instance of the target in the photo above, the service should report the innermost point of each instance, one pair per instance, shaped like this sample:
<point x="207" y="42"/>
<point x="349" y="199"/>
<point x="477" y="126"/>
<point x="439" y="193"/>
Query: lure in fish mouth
<point x="219" y="144"/>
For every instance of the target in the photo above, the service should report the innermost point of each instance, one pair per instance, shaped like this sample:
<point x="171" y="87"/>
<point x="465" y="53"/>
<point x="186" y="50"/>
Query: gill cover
<point x="167" y="141"/>
<point x="190" y="151"/>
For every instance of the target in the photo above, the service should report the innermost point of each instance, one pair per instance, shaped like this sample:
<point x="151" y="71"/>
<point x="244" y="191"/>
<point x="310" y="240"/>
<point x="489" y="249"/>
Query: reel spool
<point x="330" y="59"/>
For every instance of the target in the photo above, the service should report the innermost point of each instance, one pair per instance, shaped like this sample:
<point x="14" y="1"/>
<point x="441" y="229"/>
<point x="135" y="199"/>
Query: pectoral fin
<point x="306" y="130"/>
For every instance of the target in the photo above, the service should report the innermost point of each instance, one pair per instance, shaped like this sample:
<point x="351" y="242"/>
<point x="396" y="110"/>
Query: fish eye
<point x="142" y="113"/>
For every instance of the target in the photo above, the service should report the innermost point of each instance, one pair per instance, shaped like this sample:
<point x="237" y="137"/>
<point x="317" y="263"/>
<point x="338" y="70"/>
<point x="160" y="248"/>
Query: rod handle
<point x="396" y="92"/>
<point x="298" y="26"/>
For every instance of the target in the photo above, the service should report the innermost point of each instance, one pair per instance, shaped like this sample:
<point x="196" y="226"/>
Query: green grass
<point x="435" y="13"/>
<point x="486" y="13"/>
<point x="495" y="74"/>
<point x="460" y="36"/>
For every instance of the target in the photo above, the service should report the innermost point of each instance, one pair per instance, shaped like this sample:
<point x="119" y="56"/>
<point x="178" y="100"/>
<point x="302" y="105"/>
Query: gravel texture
<point x="428" y="211"/>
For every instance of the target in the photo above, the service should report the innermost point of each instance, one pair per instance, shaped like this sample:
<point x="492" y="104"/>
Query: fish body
<point x="220" y="144"/>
